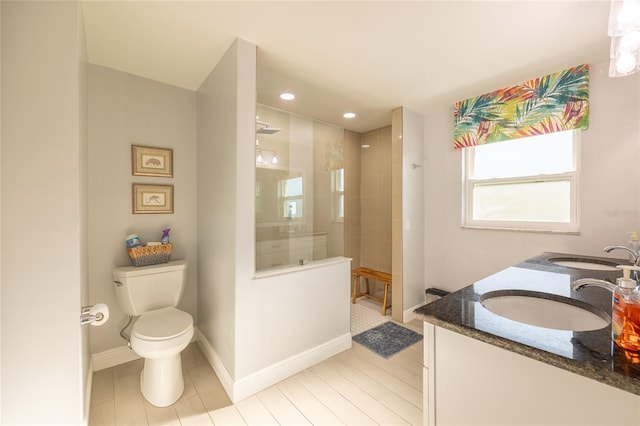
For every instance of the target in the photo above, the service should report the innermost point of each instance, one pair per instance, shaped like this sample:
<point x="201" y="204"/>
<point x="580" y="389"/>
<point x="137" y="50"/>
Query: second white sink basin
<point x="579" y="263"/>
<point x="545" y="310"/>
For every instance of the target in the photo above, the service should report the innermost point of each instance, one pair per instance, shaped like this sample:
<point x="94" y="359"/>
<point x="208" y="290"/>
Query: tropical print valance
<point x="552" y="103"/>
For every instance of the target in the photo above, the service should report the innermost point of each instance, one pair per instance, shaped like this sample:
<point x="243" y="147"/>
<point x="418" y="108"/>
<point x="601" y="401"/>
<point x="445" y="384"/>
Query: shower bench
<point x="366" y="273"/>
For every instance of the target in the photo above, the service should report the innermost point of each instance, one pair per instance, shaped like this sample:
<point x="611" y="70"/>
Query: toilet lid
<point x="162" y="324"/>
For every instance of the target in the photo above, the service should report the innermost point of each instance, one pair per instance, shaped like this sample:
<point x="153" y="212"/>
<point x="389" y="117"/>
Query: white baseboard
<point x="116" y="356"/>
<point x="275" y="373"/>
<point x="112" y="357"/>
<point x="260" y="380"/>
<point x="216" y="363"/>
<point x="408" y="315"/>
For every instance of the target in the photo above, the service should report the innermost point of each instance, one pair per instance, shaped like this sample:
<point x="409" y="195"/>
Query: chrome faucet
<point x="624" y="282"/>
<point x="634" y="254"/>
<point x="578" y="285"/>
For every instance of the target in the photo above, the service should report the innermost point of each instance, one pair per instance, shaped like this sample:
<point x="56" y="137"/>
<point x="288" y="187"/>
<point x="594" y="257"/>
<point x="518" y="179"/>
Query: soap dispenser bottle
<point x="625" y="312"/>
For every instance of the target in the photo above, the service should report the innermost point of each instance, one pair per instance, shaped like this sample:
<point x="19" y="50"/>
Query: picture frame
<point x="151" y="161"/>
<point x="152" y="199"/>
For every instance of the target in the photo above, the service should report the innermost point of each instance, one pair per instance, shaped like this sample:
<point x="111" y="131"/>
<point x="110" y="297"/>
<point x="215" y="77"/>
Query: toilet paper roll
<point x="102" y="309"/>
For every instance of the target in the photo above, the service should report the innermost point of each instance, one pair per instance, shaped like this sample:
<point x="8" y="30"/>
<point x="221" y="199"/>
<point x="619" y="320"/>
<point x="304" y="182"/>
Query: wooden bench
<point x="366" y="273"/>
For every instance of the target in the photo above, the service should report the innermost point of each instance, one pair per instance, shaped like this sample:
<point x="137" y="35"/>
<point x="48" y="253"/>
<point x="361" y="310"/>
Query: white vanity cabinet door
<point x="272" y="253"/>
<point x="428" y="375"/>
<point x="478" y="383"/>
<point x="426" y="392"/>
<point x="271" y="246"/>
<point x="271" y="260"/>
<point x="301" y="249"/>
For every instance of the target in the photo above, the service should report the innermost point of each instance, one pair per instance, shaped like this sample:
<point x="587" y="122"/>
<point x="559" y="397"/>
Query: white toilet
<point x="162" y="331"/>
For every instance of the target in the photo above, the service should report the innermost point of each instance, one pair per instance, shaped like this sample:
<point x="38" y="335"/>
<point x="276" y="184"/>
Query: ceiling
<point x="362" y="56"/>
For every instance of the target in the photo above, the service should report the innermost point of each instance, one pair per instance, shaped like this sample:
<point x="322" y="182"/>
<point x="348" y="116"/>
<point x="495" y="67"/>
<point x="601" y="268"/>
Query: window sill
<point x="535" y="231"/>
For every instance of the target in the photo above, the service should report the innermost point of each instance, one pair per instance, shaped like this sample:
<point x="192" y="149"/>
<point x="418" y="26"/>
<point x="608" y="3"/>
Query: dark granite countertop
<point x="588" y="353"/>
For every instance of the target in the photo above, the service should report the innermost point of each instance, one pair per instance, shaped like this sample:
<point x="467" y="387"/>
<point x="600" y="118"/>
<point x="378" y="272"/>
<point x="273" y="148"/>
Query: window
<point x="526" y="184"/>
<point x="290" y="192"/>
<point x="337" y="195"/>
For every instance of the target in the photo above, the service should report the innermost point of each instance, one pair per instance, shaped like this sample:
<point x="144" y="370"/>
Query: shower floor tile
<point x="365" y="315"/>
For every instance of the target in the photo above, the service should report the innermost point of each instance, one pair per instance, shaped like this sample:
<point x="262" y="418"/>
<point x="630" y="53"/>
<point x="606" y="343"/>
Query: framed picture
<point x="149" y="161"/>
<point x="149" y="199"/>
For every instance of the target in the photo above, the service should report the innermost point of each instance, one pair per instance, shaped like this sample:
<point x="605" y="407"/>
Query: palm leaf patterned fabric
<point x="553" y="103"/>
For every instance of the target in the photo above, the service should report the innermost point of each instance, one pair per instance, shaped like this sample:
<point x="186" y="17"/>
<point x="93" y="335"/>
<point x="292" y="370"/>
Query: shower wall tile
<point x="385" y="252"/>
<point x="384" y="209"/>
<point x="352" y="205"/>
<point x="369" y="253"/>
<point x="376" y="169"/>
<point x="383" y="230"/>
<point x="352" y="179"/>
<point x="353" y="228"/>
<point x="369" y="207"/>
<point x="384" y="183"/>
<point x="369" y="227"/>
<point x="352" y="250"/>
<point x="384" y="149"/>
<point x="369" y="185"/>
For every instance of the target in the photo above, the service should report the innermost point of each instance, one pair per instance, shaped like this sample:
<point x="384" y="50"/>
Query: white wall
<point x="123" y="110"/>
<point x="254" y="327"/>
<point x="217" y="165"/>
<point x="83" y="135"/>
<point x="609" y="191"/>
<point x="43" y="203"/>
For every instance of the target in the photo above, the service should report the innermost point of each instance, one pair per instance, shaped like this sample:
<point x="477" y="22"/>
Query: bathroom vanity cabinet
<point x="466" y="381"/>
<point x="288" y="251"/>
<point x="483" y="368"/>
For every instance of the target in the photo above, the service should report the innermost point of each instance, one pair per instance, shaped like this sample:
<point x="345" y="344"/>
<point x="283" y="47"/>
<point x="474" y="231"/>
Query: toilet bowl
<point x="159" y="336"/>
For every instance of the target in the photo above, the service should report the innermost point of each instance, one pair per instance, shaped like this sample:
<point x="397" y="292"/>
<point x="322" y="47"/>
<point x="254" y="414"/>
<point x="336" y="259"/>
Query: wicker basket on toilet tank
<point x="150" y="255"/>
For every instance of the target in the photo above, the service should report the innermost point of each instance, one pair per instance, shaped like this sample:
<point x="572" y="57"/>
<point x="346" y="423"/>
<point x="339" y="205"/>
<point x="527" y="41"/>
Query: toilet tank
<point x="146" y="288"/>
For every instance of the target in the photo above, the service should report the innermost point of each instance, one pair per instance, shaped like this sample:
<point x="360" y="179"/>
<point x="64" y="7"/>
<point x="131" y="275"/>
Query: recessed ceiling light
<point x="365" y="146"/>
<point x="287" y="96"/>
<point x="349" y="115"/>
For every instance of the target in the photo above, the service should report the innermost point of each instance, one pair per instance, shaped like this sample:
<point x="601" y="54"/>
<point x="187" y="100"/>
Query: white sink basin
<point x="578" y="263"/>
<point x="545" y="310"/>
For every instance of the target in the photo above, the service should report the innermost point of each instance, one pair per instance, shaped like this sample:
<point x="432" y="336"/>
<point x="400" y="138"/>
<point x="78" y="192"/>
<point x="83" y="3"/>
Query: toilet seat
<point x="162" y="324"/>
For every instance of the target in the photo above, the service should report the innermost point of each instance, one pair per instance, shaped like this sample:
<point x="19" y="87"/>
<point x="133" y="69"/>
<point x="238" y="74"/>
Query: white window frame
<point x="571" y="227"/>
<point x="285" y="200"/>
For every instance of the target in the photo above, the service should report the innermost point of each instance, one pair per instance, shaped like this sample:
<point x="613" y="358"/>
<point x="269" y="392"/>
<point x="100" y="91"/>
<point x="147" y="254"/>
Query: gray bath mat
<point x="387" y="339"/>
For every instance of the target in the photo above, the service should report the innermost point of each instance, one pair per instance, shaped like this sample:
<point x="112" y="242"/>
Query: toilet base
<point x="161" y="380"/>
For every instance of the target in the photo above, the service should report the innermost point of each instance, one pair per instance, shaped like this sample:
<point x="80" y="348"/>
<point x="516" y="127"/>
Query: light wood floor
<point x="354" y="387"/>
